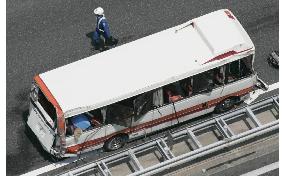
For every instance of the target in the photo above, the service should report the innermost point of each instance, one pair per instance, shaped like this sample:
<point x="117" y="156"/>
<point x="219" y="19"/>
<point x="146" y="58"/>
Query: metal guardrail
<point x="222" y="126"/>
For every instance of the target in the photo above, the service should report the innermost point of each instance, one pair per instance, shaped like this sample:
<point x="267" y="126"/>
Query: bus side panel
<point x="86" y="136"/>
<point x="197" y="105"/>
<point x="112" y="129"/>
<point x="162" y="117"/>
<point x="239" y="85"/>
<point x="140" y="125"/>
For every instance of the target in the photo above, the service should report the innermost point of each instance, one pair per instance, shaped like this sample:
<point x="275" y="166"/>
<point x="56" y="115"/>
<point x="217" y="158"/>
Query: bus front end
<point x="42" y="121"/>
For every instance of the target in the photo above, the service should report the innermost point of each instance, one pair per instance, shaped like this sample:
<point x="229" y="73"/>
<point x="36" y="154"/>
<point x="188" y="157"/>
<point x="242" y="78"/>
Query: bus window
<point x="158" y="98"/>
<point x="85" y="121"/>
<point x="143" y="103"/>
<point x="96" y="117"/>
<point x="173" y="92"/>
<point x="238" y="69"/>
<point x="78" y="121"/>
<point x="48" y="107"/>
<point x="120" y="113"/>
<point x="232" y="71"/>
<point x="187" y="86"/>
<point x="246" y="66"/>
<point x="203" y="82"/>
<point x="219" y="76"/>
<point x="69" y="127"/>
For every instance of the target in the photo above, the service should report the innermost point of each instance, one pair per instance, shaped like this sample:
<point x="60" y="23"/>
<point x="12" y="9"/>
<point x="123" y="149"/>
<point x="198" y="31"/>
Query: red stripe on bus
<point x="224" y="55"/>
<point x="184" y="112"/>
<point x="221" y="56"/>
<point x="229" y="14"/>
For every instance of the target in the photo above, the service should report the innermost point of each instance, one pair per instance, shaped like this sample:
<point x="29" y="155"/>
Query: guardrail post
<point x="224" y="128"/>
<point x="104" y="169"/>
<point x="136" y="164"/>
<point x="170" y="140"/>
<point x="252" y="117"/>
<point x="193" y="138"/>
<point x="165" y="149"/>
<point x="276" y="103"/>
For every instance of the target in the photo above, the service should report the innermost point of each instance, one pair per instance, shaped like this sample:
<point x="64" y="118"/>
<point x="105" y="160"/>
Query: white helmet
<point x="99" y="11"/>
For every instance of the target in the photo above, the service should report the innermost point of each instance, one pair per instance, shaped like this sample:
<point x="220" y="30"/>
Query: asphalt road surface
<point x="253" y="165"/>
<point x="43" y="35"/>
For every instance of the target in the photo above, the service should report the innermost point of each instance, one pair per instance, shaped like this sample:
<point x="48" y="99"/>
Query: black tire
<point x="115" y="142"/>
<point x="225" y="105"/>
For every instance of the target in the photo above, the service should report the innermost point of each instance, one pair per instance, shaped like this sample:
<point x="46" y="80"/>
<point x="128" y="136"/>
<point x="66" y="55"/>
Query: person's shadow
<point x="102" y="48"/>
<point x="90" y="35"/>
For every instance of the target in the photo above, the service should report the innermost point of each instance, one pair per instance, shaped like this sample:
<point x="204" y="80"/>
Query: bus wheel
<point x="115" y="142"/>
<point x="225" y="105"/>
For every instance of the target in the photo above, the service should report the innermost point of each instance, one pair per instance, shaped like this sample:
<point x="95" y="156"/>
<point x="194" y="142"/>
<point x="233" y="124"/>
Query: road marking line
<point x="263" y="170"/>
<point x="258" y="92"/>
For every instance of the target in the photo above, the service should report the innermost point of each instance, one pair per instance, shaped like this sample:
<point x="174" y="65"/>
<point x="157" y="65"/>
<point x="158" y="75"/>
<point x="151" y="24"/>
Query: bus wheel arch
<point x="116" y="142"/>
<point x="226" y="104"/>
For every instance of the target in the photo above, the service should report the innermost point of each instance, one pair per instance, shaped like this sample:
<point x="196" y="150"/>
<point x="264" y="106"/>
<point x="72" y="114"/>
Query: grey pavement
<point x="43" y="35"/>
<point x="251" y="165"/>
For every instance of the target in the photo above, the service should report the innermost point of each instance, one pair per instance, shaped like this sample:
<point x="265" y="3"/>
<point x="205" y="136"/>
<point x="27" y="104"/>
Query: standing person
<point x="102" y="29"/>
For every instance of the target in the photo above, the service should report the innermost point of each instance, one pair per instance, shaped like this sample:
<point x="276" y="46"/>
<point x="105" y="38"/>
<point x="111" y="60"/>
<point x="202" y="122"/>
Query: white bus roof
<point x="147" y="63"/>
